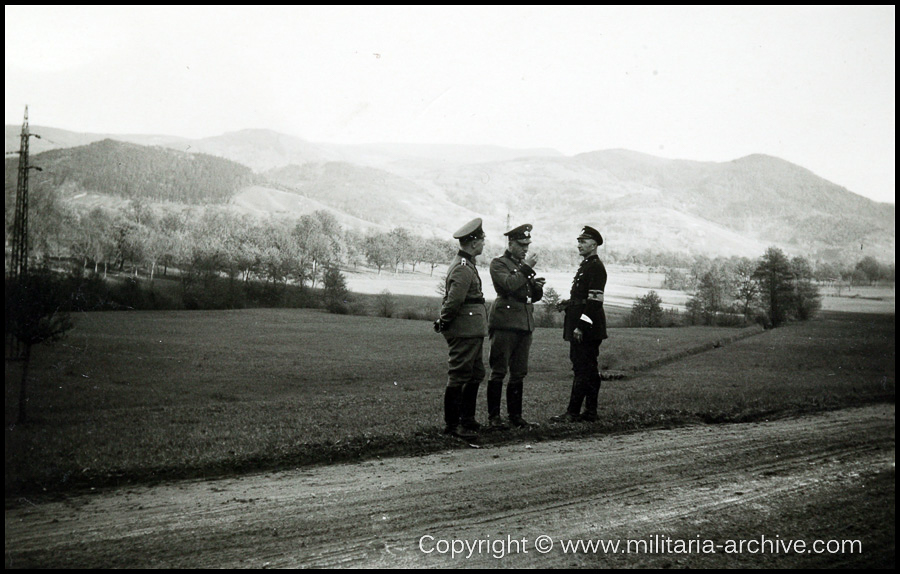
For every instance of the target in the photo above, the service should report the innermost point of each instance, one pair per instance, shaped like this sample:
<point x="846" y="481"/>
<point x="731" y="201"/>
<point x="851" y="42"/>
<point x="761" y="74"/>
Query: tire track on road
<point x="374" y="513"/>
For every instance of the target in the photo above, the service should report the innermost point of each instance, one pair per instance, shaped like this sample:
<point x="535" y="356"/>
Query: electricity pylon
<point x="19" y="260"/>
<point x="18" y="265"/>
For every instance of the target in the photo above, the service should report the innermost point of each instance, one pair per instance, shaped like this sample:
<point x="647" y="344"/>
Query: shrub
<point x="672" y="318"/>
<point x="357" y="308"/>
<point x="416" y="314"/>
<point x="385" y="304"/>
<point x="647" y="311"/>
<point x="334" y="291"/>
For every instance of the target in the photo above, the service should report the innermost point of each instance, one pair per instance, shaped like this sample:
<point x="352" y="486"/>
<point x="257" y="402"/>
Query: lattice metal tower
<point x="18" y="264"/>
<point x="19" y="260"/>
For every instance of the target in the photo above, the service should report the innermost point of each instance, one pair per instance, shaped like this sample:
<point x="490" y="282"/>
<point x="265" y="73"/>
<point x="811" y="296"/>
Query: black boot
<point x="467" y="409"/>
<point x="494" y="396"/>
<point x="590" y="400"/>
<point x="514" y="405"/>
<point x="452" y="402"/>
<point x="577" y="397"/>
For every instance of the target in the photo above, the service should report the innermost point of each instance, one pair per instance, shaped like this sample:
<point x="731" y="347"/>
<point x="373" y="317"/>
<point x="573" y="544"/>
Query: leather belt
<point x="517" y="299"/>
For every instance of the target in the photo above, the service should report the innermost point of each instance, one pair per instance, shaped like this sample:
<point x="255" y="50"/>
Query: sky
<point x="814" y="85"/>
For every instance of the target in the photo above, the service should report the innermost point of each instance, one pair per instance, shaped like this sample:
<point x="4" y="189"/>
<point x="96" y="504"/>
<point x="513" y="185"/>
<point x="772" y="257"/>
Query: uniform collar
<point x="590" y="258"/>
<point x="466" y="255"/>
<point x="509" y="255"/>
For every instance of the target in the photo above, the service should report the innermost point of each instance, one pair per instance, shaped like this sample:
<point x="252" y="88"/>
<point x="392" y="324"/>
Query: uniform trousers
<point x="464" y="376"/>
<point x="509" y="352"/>
<point x="586" y="384"/>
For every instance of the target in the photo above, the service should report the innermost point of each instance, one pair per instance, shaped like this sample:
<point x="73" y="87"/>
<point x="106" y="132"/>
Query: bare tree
<point x="36" y="312"/>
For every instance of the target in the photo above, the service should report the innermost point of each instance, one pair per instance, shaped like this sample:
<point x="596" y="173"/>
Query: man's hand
<point x="530" y="260"/>
<point x="578" y="335"/>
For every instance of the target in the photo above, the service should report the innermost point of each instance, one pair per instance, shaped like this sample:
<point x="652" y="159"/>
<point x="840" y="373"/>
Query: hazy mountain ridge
<point x="639" y="201"/>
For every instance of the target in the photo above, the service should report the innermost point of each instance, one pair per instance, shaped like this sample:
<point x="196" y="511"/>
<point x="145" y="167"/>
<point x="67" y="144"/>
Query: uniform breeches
<point x="466" y="363"/>
<point x="464" y="376"/>
<point x="586" y="384"/>
<point x="509" y="353"/>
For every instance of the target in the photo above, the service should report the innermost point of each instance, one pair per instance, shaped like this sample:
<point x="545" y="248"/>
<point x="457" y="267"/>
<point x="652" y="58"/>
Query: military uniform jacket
<point x="513" y="309"/>
<point x="463" y="309"/>
<point x="585" y="305"/>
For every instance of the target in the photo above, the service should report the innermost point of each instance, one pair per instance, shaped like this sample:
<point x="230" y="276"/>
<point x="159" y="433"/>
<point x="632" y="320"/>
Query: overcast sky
<point x="812" y="85"/>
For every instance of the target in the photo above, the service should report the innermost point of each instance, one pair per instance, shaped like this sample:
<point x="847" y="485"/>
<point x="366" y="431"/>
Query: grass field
<point x="134" y="396"/>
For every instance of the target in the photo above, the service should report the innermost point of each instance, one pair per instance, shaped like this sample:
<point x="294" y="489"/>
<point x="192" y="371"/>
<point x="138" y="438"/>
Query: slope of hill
<point x="371" y="194"/>
<point x="644" y="202"/>
<point x="262" y="150"/>
<point x="640" y="202"/>
<point x="134" y="171"/>
<point x="386" y="153"/>
<point x="264" y="201"/>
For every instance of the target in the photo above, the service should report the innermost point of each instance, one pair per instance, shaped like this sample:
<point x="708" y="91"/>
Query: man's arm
<point x="537" y="289"/>
<point x="506" y="280"/>
<point x="458" y="283"/>
<point x="593" y="309"/>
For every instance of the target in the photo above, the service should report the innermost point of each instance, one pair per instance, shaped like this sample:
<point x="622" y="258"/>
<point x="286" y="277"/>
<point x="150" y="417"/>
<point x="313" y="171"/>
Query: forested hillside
<point x="134" y="172"/>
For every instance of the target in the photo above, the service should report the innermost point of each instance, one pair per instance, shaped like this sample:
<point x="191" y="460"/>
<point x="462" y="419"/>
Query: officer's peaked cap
<point x="469" y="231"/>
<point x="522" y="233"/>
<point x="588" y="232"/>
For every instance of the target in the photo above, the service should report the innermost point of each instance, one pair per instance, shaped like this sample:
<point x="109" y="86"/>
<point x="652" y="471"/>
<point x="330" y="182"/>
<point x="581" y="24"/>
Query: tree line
<point x="866" y="271"/>
<point x="770" y="290"/>
<point x="148" y="238"/>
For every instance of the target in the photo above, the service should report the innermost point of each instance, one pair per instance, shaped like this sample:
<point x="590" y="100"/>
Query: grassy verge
<point x="143" y="396"/>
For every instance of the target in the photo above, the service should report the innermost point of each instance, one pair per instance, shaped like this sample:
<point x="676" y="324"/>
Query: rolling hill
<point x="640" y="202"/>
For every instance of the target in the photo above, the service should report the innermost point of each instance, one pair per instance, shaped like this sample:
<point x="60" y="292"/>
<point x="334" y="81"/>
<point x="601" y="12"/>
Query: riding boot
<point x="452" y="404"/>
<point x="590" y="400"/>
<point x="494" y="396"/>
<point x="578" y="393"/>
<point x="467" y="408"/>
<point x="514" y="400"/>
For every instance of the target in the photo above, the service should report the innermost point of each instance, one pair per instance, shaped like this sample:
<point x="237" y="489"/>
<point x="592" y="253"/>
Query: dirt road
<point x="676" y="496"/>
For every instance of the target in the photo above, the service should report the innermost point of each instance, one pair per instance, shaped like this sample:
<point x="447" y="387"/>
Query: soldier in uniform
<point x="511" y="324"/>
<point x="585" y="328"/>
<point x="463" y="322"/>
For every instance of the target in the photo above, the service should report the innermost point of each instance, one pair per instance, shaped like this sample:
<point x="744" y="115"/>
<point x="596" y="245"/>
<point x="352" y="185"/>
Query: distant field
<point x="138" y="395"/>
<point x="625" y="285"/>
<point x="859" y="299"/>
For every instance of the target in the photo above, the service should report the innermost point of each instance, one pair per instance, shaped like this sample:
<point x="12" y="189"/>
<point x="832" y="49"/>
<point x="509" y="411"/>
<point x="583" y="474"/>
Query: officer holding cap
<point x="585" y="328"/>
<point x="463" y="322"/>
<point x="511" y="324"/>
